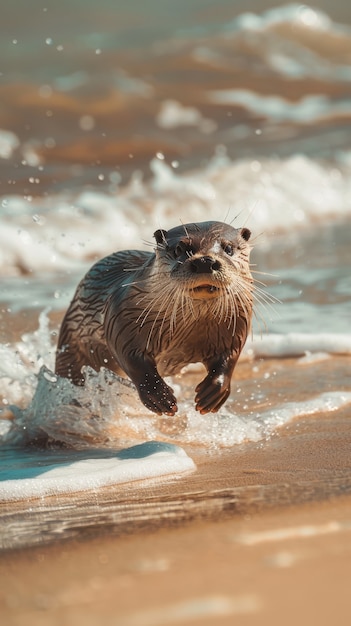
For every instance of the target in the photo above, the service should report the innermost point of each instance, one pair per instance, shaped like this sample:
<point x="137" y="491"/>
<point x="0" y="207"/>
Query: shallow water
<point x="112" y="128"/>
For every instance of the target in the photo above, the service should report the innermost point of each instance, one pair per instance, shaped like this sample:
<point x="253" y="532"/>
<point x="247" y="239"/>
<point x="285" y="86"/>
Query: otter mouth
<point x="207" y="290"/>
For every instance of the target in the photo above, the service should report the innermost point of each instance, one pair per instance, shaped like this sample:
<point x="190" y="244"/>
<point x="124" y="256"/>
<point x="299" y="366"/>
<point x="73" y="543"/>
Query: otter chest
<point x="193" y="344"/>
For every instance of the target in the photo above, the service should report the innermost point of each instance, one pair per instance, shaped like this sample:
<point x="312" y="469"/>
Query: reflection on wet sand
<point x="256" y="561"/>
<point x="306" y="461"/>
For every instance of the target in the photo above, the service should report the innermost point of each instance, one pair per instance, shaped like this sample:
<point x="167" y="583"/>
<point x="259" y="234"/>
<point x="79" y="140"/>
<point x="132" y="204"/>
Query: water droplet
<point x="45" y="91"/>
<point x="115" y="177"/>
<point x="50" y="142"/>
<point x="255" y="166"/>
<point x="86" y="122"/>
<point x="51" y="378"/>
<point x="49" y="41"/>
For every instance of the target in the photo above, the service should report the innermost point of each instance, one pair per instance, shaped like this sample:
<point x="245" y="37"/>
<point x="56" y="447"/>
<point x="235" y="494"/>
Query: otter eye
<point x="228" y="249"/>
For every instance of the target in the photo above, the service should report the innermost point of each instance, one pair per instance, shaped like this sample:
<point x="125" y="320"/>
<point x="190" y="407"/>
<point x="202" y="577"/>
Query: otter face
<point x="205" y="257"/>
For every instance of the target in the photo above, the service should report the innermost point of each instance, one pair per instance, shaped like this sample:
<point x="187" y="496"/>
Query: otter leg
<point x="214" y="390"/>
<point x="69" y="364"/>
<point x="154" y="393"/>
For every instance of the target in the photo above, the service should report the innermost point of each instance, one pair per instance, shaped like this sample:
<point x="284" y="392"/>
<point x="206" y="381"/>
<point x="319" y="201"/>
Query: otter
<point x="148" y="314"/>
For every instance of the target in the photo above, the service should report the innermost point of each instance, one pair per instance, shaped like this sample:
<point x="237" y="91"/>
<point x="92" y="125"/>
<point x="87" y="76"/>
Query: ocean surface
<point x="117" y="119"/>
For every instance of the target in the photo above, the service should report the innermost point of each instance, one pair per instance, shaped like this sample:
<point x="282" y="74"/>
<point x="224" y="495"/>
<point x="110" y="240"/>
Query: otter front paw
<point x="158" y="397"/>
<point x="211" y="393"/>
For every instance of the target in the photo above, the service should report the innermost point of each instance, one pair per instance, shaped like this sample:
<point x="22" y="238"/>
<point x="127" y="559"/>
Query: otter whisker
<point x="265" y="303"/>
<point x="150" y="244"/>
<point x="260" y="319"/>
<point x="266" y="296"/>
<point x="141" y="280"/>
<point x="171" y="312"/>
<point x="262" y="273"/>
<point x="255" y="238"/>
<point x="156" y="303"/>
<point x="185" y="229"/>
<point x="155" y="321"/>
<point x="152" y="304"/>
<point x="230" y="310"/>
<point x="243" y="303"/>
<point x="244" y="295"/>
<point x="267" y="307"/>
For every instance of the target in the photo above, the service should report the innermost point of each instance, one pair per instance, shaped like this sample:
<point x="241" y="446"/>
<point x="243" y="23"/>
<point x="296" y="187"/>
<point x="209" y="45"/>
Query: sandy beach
<point x="256" y="536"/>
<point x="282" y="566"/>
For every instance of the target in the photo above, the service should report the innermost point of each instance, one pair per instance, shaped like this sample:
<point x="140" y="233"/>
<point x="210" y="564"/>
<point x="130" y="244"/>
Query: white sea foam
<point x="294" y="40"/>
<point x="300" y="15"/>
<point x="107" y="413"/>
<point x="173" y="114"/>
<point x="141" y="462"/>
<point x="21" y="361"/>
<point x="60" y="233"/>
<point x="297" y="344"/>
<point x="8" y="143"/>
<point x="304" y="111"/>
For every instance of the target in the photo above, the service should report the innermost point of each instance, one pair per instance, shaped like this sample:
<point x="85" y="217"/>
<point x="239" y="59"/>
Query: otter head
<point x="206" y="258"/>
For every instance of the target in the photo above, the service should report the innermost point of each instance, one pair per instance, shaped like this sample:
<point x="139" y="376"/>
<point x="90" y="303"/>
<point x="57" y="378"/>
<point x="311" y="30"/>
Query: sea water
<point x="109" y="134"/>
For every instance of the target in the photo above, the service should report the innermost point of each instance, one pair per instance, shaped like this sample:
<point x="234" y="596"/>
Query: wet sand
<point x="260" y="534"/>
<point x="276" y="567"/>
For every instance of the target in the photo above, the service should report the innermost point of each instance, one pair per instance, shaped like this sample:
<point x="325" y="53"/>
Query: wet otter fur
<point x="147" y="314"/>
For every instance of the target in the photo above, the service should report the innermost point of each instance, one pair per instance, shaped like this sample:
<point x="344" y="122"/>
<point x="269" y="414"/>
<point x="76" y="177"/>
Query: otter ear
<point x="161" y="237"/>
<point x="245" y="233"/>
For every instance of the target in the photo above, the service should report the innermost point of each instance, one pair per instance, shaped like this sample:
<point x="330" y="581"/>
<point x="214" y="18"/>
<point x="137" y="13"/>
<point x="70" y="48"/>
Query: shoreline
<point x="305" y="461"/>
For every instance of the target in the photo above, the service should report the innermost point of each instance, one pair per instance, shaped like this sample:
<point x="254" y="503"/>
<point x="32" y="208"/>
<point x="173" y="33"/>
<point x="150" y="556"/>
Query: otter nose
<point x="204" y="265"/>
